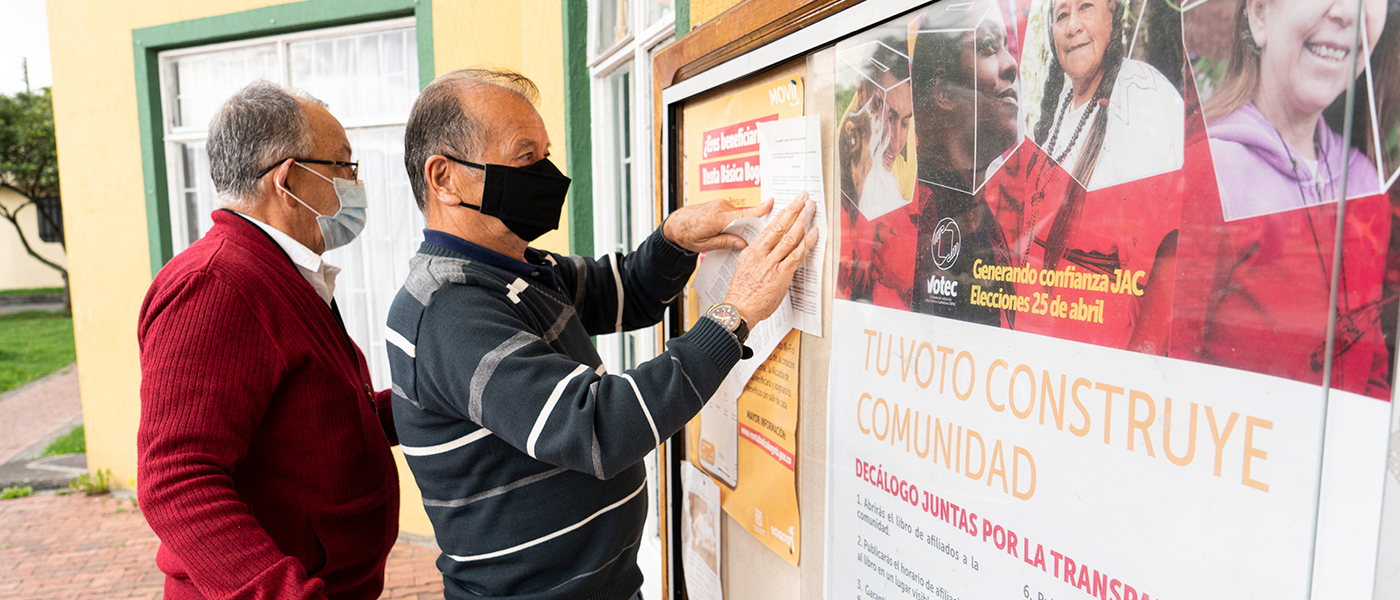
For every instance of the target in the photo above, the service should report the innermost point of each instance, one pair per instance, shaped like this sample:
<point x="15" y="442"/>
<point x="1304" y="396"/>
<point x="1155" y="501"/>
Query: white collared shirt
<point x="319" y="273"/>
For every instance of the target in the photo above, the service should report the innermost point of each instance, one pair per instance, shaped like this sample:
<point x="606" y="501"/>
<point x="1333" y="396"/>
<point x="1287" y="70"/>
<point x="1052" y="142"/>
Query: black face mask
<point x="527" y="199"/>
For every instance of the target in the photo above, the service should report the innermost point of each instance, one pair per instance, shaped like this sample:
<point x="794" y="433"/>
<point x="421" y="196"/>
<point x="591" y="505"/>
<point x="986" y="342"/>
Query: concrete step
<point x="50" y="473"/>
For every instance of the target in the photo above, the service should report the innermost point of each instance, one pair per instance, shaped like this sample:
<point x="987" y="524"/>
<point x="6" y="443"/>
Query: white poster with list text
<point x="970" y="462"/>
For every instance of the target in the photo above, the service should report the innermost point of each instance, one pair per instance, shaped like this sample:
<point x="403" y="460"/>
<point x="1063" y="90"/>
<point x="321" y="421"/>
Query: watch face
<point x="726" y="315"/>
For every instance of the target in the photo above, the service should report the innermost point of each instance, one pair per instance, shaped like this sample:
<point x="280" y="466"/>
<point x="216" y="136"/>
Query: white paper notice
<point x="711" y="284"/>
<point x="719" y="425"/>
<point x="700" y="535"/>
<point x="790" y="158"/>
<point x="719" y="433"/>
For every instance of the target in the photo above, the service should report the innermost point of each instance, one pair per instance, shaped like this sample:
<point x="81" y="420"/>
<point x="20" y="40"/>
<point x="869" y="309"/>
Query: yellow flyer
<point x="720" y="137"/>
<point x="765" y="499"/>
<point x="720" y="141"/>
<point x="720" y="146"/>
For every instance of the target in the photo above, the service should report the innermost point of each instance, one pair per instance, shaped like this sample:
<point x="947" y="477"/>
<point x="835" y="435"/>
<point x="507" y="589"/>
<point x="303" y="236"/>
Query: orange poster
<point x="721" y="137"/>
<point x="765" y="499"/>
<point x="721" y="161"/>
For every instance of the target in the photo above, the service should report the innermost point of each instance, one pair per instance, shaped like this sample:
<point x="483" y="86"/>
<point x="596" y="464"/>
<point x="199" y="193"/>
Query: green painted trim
<point x="682" y="18"/>
<point x="151" y="126"/>
<point x="148" y="42"/>
<point x="578" y="132"/>
<point x="424" y="34"/>
<point x="272" y="20"/>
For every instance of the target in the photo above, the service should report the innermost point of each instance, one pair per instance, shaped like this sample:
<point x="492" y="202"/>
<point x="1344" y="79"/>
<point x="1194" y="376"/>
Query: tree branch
<point x="13" y="218"/>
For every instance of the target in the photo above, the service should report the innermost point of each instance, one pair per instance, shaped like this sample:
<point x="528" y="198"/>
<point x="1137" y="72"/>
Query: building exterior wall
<point x="19" y="270"/>
<point x="704" y="10"/>
<point x="99" y="140"/>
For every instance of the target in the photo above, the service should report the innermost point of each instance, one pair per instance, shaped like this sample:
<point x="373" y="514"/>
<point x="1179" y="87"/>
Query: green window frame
<point x="578" y="131"/>
<point x="148" y="42"/>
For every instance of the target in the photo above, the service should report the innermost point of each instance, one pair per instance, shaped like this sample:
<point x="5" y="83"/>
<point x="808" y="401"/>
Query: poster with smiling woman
<point x="1259" y="250"/>
<point x="1090" y="207"/>
<point x="1119" y="332"/>
<point x="1107" y="106"/>
<point x="1274" y="97"/>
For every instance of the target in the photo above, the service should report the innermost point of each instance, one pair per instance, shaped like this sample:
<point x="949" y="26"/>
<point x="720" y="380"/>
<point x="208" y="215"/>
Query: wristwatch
<point x="729" y="318"/>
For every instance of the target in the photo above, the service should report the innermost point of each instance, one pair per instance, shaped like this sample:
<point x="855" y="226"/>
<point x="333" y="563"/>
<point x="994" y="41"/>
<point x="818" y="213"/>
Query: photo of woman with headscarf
<point x="1103" y="116"/>
<point x="966" y="102"/>
<point x="1291" y="60"/>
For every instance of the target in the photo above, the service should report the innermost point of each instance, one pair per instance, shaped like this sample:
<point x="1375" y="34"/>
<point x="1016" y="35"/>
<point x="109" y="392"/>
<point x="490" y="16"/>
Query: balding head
<point x="261" y="124"/>
<point x="448" y="117"/>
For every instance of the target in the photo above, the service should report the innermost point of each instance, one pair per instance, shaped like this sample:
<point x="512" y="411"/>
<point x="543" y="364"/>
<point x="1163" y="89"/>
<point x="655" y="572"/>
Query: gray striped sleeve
<point x="492" y="493"/>
<point x="487" y="367"/>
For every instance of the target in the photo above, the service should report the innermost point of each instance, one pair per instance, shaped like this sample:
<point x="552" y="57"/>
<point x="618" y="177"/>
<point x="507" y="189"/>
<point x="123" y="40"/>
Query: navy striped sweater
<point x="527" y="451"/>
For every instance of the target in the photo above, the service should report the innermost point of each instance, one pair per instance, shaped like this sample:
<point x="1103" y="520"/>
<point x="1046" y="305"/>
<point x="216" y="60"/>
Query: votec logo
<point x="946" y="244"/>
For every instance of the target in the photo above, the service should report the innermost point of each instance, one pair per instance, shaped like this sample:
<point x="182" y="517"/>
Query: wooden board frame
<point x="748" y="38"/>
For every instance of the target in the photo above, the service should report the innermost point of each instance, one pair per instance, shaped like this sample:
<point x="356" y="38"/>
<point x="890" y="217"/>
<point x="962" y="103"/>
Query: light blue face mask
<point x="341" y="228"/>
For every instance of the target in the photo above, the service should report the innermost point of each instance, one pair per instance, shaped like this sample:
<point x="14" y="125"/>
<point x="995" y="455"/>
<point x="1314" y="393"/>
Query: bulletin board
<point x="1098" y="322"/>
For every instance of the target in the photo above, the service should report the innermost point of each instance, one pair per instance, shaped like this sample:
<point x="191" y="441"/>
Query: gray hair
<point x="261" y="124"/>
<point x="438" y="124"/>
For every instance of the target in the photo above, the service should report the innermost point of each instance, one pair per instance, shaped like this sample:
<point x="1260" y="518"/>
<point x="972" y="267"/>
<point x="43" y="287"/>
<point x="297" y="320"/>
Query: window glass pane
<point x="376" y="263"/>
<point x="620" y="90"/>
<point x="196" y="189"/>
<point x="300" y="59"/>
<point x="50" y="220"/>
<point x="610" y="23"/>
<point x="368" y="78"/>
<point x="654" y="11"/>
<point x="198" y="84"/>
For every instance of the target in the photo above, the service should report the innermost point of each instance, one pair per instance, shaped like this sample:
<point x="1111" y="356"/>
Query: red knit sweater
<point x="263" y="453"/>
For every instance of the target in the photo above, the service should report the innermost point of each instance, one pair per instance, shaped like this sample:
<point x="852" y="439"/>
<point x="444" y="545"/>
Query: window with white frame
<point x="367" y="75"/>
<point x="622" y="35"/>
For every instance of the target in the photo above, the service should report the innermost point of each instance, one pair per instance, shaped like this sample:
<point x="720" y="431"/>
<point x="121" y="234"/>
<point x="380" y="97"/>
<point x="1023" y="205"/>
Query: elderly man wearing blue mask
<point x="263" y="451"/>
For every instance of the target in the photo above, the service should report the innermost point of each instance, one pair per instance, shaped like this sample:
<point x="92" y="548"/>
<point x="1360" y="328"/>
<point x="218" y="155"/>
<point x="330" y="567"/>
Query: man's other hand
<point x="700" y="227"/>
<point x="765" y="268"/>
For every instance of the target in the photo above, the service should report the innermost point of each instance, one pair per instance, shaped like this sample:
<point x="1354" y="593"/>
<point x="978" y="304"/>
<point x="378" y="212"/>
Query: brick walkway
<point x="35" y="410"/>
<point x="75" y="546"/>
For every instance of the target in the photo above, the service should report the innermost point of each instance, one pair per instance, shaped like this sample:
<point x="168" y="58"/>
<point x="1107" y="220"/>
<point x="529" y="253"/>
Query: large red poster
<point x="1128" y="175"/>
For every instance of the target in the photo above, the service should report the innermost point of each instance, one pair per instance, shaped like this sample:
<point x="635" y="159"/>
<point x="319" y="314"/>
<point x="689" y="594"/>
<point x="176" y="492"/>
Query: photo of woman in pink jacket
<point x="1273" y="148"/>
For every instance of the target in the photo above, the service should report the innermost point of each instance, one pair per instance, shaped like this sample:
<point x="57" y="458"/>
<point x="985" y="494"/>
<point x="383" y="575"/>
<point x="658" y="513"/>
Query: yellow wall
<point x="522" y="35"/>
<point x="704" y="10"/>
<point x="95" y="112"/>
<point x="18" y="269"/>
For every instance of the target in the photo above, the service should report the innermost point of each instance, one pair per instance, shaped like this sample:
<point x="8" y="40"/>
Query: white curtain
<point x="368" y="80"/>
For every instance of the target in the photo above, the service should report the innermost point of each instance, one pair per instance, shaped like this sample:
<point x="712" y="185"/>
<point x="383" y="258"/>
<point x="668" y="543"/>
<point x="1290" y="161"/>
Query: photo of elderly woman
<point x="1275" y="99"/>
<point x="1094" y="101"/>
<point x="876" y="172"/>
<point x="966" y="105"/>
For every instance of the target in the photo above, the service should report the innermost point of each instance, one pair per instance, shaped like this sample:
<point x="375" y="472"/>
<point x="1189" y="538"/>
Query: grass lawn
<point x="31" y="291"/>
<point x="72" y="442"/>
<point x="32" y="345"/>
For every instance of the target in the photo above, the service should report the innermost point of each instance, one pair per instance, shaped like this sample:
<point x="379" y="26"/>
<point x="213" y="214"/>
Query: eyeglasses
<point x="353" y="165"/>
